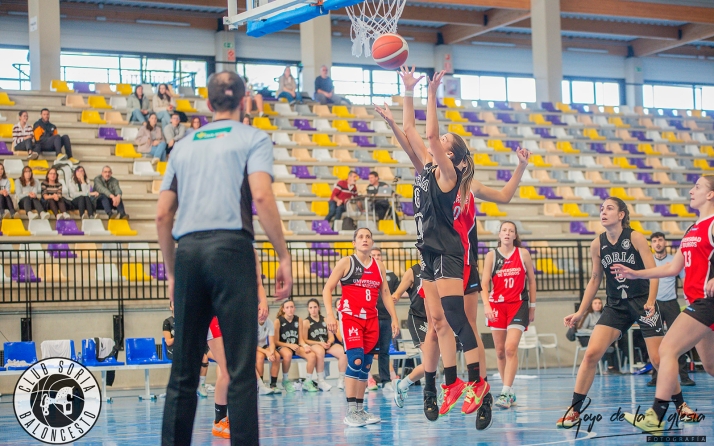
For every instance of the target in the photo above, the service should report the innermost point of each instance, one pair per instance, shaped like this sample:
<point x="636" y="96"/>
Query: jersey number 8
<point x="367" y="295"/>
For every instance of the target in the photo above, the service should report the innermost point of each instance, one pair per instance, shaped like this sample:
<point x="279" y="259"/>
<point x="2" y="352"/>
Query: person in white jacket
<point x="78" y="191"/>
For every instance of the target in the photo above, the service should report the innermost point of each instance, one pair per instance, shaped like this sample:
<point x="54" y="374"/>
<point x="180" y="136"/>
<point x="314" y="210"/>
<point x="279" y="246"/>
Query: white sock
<point x="405" y="384"/>
<point x="202" y="381"/>
<point x="285" y="376"/>
<point x="506" y="390"/>
<point x="342" y="376"/>
<point x="320" y="376"/>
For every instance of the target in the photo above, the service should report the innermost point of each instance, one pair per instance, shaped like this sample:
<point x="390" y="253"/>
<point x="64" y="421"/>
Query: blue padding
<point x="366" y="366"/>
<point x="354" y="370"/>
<point x="331" y="5"/>
<point x="142" y="351"/>
<point x="279" y="22"/>
<point x="89" y="355"/>
<point x="164" y="353"/>
<point x="20" y="351"/>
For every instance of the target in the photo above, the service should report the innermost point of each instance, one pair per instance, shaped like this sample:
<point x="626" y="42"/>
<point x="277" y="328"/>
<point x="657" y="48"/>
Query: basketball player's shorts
<point x="436" y="266"/>
<point x="214" y="331"/>
<point x="702" y="310"/>
<point x="472" y="281"/>
<point x="509" y="315"/>
<point x="630" y="311"/>
<point x="669" y="310"/>
<point x="359" y="333"/>
<point x="418" y="328"/>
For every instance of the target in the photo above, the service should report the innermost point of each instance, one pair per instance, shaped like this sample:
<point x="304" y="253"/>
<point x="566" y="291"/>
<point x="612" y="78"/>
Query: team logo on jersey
<point x="626" y="244"/>
<point x="424" y="327"/>
<point x="353" y="331"/>
<point x="650" y="320"/>
<point x="57" y="401"/>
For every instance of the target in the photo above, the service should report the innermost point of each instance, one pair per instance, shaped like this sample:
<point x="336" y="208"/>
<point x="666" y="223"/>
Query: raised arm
<point x="446" y="178"/>
<point x="591" y="289"/>
<point x="671" y="269"/>
<point x="408" y="121"/>
<point x="505" y="195"/>
<point x="402" y="139"/>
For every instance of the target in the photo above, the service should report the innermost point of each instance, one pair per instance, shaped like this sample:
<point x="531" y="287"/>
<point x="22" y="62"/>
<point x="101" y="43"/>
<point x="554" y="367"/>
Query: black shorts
<point x="702" y="310"/>
<point x="472" y="284"/>
<point x="417" y="329"/>
<point x="631" y="311"/>
<point x="435" y="266"/>
<point x="669" y="309"/>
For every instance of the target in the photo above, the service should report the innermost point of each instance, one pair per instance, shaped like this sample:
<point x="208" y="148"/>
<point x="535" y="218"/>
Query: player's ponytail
<point x="621" y="207"/>
<point x="517" y="241"/>
<point x="281" y="312"/>
<point x="462" y="154"/>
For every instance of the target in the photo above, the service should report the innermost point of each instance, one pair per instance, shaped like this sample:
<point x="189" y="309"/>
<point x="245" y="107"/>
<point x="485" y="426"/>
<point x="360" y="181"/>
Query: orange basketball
<point x="390" y="51"/>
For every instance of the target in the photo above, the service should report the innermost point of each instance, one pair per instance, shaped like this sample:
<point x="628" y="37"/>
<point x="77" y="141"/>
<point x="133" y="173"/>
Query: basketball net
<point x="371" y="19"/>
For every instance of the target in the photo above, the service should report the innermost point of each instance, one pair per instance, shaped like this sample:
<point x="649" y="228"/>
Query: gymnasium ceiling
<point x="620" y="27"/>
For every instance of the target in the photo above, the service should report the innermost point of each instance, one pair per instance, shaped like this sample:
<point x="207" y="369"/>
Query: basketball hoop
<point x="370" y="19"/>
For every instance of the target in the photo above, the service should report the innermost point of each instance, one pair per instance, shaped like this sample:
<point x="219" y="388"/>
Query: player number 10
<point x="510" y="281"/>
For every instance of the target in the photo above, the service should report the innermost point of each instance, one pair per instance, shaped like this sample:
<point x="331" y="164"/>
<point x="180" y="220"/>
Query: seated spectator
<point x="322" y="341"/>
<point x="380" y="205"/>
<point x="48" y="139"/>
<point x="150" y="140"/>
<point x="173" y="132"/>
<point x="289" y="341"/>
<point x="169" y="329"/>
<point x="344" y="191"/>
<point x="79" y="194"/>
<point x="195" y="124"/>
<point x="251" y="99"/>
<point x="266" y="350"/>
<point x="247" y="120"/>
<point x="163" y="105"/>
<point x="52" y="195"/>
<point x="287" y="87"/>
<point x="7" y="209"/>
<point x="22" y="137"/>
<point x="109" y="194"/>
<point x="585" y="328"/>
<point x="325" y="91"/>
<point x="138" y="104"/>
<point x="27" y="193"/>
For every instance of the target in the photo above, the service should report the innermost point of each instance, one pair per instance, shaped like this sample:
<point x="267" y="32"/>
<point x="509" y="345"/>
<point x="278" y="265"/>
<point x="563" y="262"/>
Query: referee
<point x="212" y="272"/>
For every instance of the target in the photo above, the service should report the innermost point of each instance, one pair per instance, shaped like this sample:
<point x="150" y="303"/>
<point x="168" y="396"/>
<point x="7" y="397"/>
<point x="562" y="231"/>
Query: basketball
<point x="390" y="51"/>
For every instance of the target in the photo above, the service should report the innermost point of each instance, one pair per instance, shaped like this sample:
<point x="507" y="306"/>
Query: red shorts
<point x="214" y="331"/>
<point x="509" y="315"/>
<point x="359" y="333"/>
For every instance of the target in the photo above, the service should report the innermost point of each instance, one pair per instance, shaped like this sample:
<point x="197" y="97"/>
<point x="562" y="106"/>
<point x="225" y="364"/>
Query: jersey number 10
<point x="510" y="282"/>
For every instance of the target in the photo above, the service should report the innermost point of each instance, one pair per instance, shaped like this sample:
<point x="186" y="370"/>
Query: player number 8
<point x="367" y="295"/>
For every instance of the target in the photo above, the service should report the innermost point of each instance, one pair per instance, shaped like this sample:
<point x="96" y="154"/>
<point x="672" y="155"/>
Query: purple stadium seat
<point x="363" y="141"/>
<point x="548" y="106"/>
<point x="23" y="273"/>
<point x="109" y="133"/>
<point x="693" y="211"/>
<point x="68" y="227"/>
<point x="601" y="192"/>
<point x="669" y="112"/>
<point x="472" y="116"/>
<point x="524" y="245"/>
<point x="420" y="115"/>
<point x="677" y="124"/>
<point x="543" y="132"/>
<point x="322" y="227"/>
<point x="555" y="119"/>
<point x="549" y="193"/>
<point x="362" y="126"/>
<point x="482" y="248"/>
<point x="578" y="227"/>
<point x="502" y="106"/>
<point x="439" y="104"/>
<point x="201" y="118"/>
<point x="639" y="162"/>
<point x="599" y="148"/>
<point x="647" y="178"/>
<point x="4" y="150"/>
<point x="255" y="211"/>
<point x="632" y="148"/>
<point x="581" y="108"/>
<point x="475" y="130"/>
<point x="503" y="175"/>
<point x="513" y="145"/>
<point x="158" y="271"/>
<point x="81" y="87"/>
<point x="303" y="124"/>
<point x="324" y="249"/>
<point x="60" y="251"/>
<point x="663" y="209"/>
<point x="302" y="172"/>
<point x="506" y="118"/>
<point x="479" y="213"/>
<point x="408" y="208"/>
<point x="640" y="135"/>
<point x="322" y="269"/>
<point x="363" y="172"/>
<point x="692" y="177"/>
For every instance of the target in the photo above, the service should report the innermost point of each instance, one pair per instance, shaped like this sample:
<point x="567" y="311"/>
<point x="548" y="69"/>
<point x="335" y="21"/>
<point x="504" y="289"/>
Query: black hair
<point x="374" y="173"/>
<point x="621" y="207"/>
<point x="517" y="241"/>
<point x="176" y="114"/>
<point x="136" y="91"/>
<point x="354" y="235"/>
<point x="148" y="124"/>
<point x="166" y="94"/>
<point x="21" y="112"/>
<point x="225" y="91"/>
<point x="657" y="235"/>
<point x="45" y="110"/>
<point x="318" y="306"/>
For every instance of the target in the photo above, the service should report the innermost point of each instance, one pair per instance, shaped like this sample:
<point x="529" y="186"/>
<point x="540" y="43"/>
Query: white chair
<point x="129" y="133"/>
<point x="298" y="208"/>
<point x="36" y="252"/>
<point x="323" y="173"/>
<point x="148" y="90"/>
<point x="323" y="155"/>
<point x="323" y="125"/>
<point x="588" y="161"/>
<point x="282" y="210"/>
<point x="401" y="157"/>
<point x="560" y="133"/>
<point x="2" y="118"/>
<point x="579" y="348"/>
<point x="493" y="226"/>
<point x="8" y="251"/>
<point x="13" y="167"/>
<point x="662" y="123"/>
<point x="283" y="139"/>
<point x="118" y="102"/>
<point x="584" y="192"/>
<point x="700" y="137"/>
<point x="480" y="145"/>
<point x="409" y="226"/>
<point x="551" y="340"/>
<point x="140" y="251"/>
<point x="40" y="227"/>
<point x="202" y="106"/>
<point x="92" y="226"/>
<point x="527" y="132"/>
<point x="299" y="227"/>
<point x="4" y="278"/>
<point x="531" y="145"/>
<point x="670" y="193"/>
<point x="144" y="169"/>
<point x="577" y="176"/>
<point x="108" y="272"/>
<point x="186" y="91"/>
<point x="529" y="341"/>
<point x="527" y="178"/>
<point x="655" y="136"/>
<point x="281" y="154"/>
<point x="380" y="126"/>
<point x="284" y="109"/>
<point x="645" y="210"/>
<point x="571" y="121"/>
<point x="258" y="228"/>
<point x="693" y="150"/>
<point x="629" y="178"/>
<point x="281" y="172"/>
<point x="602" y="121"/>
<point x="671" y="163"/>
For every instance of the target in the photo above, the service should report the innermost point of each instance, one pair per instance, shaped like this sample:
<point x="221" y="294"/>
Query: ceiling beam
<point x="689" y="33"/>
<point x="611" y="28"/>
<point x="494" y="19"/>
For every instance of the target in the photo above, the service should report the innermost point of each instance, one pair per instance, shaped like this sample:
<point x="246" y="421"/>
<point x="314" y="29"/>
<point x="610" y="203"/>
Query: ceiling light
<point x="408" y="38"/>
<point x="587" y="50"/>
<point x="161" y="22"/>
<point x="677" y="56"/>
<point x="502" y="44"/>
<point x="17" y="13"/>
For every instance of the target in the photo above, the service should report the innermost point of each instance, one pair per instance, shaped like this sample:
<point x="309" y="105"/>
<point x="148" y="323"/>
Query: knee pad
<point x="355" y="360"/>
<point x="456" y="317"/>
<point x="366" y="366"/>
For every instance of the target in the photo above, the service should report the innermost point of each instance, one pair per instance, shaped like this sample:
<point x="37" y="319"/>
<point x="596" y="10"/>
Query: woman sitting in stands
<point x="164" y="105"/>
<point x="287" y="87"/>
<point x="251" y="98"/>
<point x="28" y="193"/>
<point x="195" y="124"/>
<point x="150" y="140"/>
<point x="139" y="105"/>
<point x="80" y="195"/>
<point x="52" y="195"/>
<point x="7" y="209"/>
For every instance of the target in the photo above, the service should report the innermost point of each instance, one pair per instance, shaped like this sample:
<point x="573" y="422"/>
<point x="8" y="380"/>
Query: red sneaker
<point x="452" y="394"/>
<point x="474" y="396"/>
<point x="570" y="419"/>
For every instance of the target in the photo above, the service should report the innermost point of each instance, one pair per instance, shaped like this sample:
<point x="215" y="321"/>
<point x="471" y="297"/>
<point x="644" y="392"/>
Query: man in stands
<point x="325" y="91"/>
<point x="380" y="205"/>
<point x="109" y="194"/>
<point x="173" y="132"/>
<point x="48" y="139"/>
<point x="344" y="191"/>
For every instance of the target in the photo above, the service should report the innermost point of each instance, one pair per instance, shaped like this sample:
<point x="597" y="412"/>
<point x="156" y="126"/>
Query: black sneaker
<point x="431" y="409"/>
<point x="483" y="414"/>
<point x="652" y="382"/>
<point x="687" y="381"/>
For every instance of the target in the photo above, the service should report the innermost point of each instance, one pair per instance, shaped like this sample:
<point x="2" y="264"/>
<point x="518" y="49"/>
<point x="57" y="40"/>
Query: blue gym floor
<point x="316" y="419"/>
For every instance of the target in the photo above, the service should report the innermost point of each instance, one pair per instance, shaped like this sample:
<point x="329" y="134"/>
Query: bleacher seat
<point x="389" y="227"/>
<point x="141" y="351"/>
<point x="491" y="210"/>
<point x="5" y="99"/>
<point x="126" y="150"/>
<point x="51" y="273"/>
<point x="60" y="86"/>
<point x="89" y="355"/>
<point x="144" y="168"/>
<point x="108" y="272"/>
<point x="39" y="227"/>
<point x="322" y="227"/>
<point x="134" y="272"/>
<point x="284" y="109"/>
<point x="6" y="130"/>
<point x="14" y="228"/>
<point x="263" y="123"/>
<point x="94" y="227"/>
<point x="120" y="227"/>
<point x="19" y="351"/>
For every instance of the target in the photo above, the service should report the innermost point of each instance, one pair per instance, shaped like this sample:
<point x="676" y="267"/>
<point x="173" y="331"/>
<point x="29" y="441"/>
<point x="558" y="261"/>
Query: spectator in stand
<point x="79" y="194"/>
<point x="325" y="91"/>
<point x="584" y="330"/>
<point x="150" y="140"/>
<point x="195" y="124"/>
<point x="139" y="105"/>
<point x="163" y="105"/>
<point x="48" y="139"/>
<point x="344" y="191"/>
<point x="52" y="195"/>
<point x="247" y="120"/>
<point x="169" y="328"/>
<point x="287" y="87"/>
<point x="27" y="194"/>
<point x="22" y="138"/>
<point x="379" y="205"/>
<point x="252" y="98"/>
<point x="7" y="209"/>
<point x="109" y="194"/>
<point x="173" y="132"/>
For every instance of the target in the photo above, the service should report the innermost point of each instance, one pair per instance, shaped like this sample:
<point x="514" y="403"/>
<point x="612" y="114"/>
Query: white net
<point x="370" y="19"/>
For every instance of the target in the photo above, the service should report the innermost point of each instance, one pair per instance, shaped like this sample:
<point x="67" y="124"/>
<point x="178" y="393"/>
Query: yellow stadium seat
<point x="383" y="156"/>
<point x="497" y="145"/>
<point x="548" y="266"/>
<point x="263" y="124"/>
<point x="491" y="210"/>
<point x="537" y="118"/>
<point x="405" y="190"/>
<point x="671" y="137"/>
<point x="268" y="110"/>
<point x="39" y="167"/>
<point x="707" y="150"/>
<point x="681" y="210"/>
<point x="617" y="121"/>
<point x="647" y="149"/>
<point x="409" y="263"/>
<point x="530" y="193"/>
<point x="75" y="101"/>
<point x="321" y="208"/>
<point x="342" y="111"/>
<point x="161" y="167"/>
<point x="459" y="130"/>
<point x="322" y="190"/>
<point x="610" y="110"/>
<point x="343" y="126"/>
<point x="126" y="150"/>
<point x="203" y="92"/>
<point x="566" y="147"/>
<point x="115" y="117"/>
<point x="341" y="172"/>
<point x="323" y="140"/>
<point x="702" y="164"/>
<point x="573" y="210"/>
<point x="134" y="272"/>
<point x="565" y="108"/>
<point x="622" y="162"/>
<point x="620" y="193"/>
<point x="538" y="161"/>
<point x="454" y="116"/>
<point x="120" y="227"/>
<point x="92" y="117"/>
<point x="482" y="159"/>
<point x="98" y="102"/>
<point x="5" y="99"/>
<point x="12" y="185"/>
<point x="389" y="227"/>
<point x="6" y="130"/>
<point x="124" y="89"/>
<point x="184" y="105"/>
<point x="637" y="226"/>
<point x="14" y="227"/>
<point x="593" y="134"/>
<point x="451" y="103"/>
<point x="60" y="86"/>
<point x="268" y="268"/>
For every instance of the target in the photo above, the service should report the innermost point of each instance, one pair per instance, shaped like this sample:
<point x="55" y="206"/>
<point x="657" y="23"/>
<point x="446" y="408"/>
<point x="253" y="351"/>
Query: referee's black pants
<point x="215" y="274"/>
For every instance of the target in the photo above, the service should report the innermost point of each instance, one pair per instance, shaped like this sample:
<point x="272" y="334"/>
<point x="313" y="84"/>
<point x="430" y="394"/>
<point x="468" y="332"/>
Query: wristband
<point x="532" y="305"/>
<point x="408" y="94"/>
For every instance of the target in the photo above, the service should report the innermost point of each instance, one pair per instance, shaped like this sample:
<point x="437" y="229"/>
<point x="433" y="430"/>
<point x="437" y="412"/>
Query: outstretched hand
<point x="523" y="155"/>
<point x="407" y="76"/>
<point x="435" y="82"/>
<point x="385" y="112"/>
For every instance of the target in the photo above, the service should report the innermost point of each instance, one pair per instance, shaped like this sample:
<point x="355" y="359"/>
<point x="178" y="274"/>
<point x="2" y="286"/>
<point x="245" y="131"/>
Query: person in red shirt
<point x="343" y="192"/>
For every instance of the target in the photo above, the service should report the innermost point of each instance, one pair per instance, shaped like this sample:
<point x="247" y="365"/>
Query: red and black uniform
<point x="697" y="247"/>
<point x="358" y="306"/>
<point x="465" y="225"/>
<point x="509" y="291"/>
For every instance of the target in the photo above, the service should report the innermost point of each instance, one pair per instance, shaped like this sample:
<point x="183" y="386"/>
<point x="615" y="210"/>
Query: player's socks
<point x="320" y="376"/>
<point x="450" y="375"/>
<point x="405" y="384"/>
<point x="506" y="390"/>
<point x="202" y="381"/>
<point x="430" y="382"/>
<point x="660" y="407"/>
<point x="474" y="372"/>
<point x="577" y="402"/>
<point x="273" y="381"/>
<point x="285" y="376"/>
<point x="360" y="404"/>
<point x="221" y="412"/>
<point x="351" y="404"/>
<point x="678" y="399"/>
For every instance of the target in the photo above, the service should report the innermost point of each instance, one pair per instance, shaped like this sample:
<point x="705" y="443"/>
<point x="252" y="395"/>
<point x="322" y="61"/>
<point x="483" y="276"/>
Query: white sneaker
<point x="6" y="214"/>
<point x="31" y="215"/>
<point x="60" y="216"/>
<point x="341" y="384"/>
<point x="354" y="419"/>
<point x="85" y="215"/>
<point x="263" y="389"/>
<point x="45" y="215"/>
<point x="155" y="161"/>
<point x="65" y="215"/>
<point x="297" y="385"/>
<point x="201" y="391"/>
<point x="209" y="388"/>
<point x="388" y="387"/>
<point x="322" y="385"/>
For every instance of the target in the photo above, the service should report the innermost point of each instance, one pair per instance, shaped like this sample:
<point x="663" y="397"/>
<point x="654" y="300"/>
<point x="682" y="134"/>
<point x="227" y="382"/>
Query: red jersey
<point x="697" y="247"/>
<point x="509" y="278"/>
<point x="464" y="223"/>
<point x="360" y="289"/>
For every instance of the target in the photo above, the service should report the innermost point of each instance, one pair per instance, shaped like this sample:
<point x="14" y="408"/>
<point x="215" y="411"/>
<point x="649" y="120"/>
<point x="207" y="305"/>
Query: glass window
<point x="583" y="92"/>
<point x="469" y="87"/>
<point x="197" y="68"/>
<point x="264" y="75"/>
<point x="420" y="91"/>
<point x="521" y="89"/>
<point x="707" y="98"/>
<point x="611" y="93"/>
<point x="352" y="74"/>
<point x="10" y="77"/>
<point x="493" y="88"/>
<point x="647" y="96"/>
<point x="671" y="96"/>
<point x="566" y="92"/>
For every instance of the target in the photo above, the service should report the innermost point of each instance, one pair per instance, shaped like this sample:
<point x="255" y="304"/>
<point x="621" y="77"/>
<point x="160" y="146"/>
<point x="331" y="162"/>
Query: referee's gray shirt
<point x="209" y="171"/>
<point x="666" y="290"/>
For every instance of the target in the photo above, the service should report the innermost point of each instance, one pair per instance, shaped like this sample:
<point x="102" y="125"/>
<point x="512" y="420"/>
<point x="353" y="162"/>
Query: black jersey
<point x="289" y="330"/>
<point x="622" y="252"/>
<point x="416" y="302"/>
<point x="318" y="330"/>
<point x="435" y="214"/>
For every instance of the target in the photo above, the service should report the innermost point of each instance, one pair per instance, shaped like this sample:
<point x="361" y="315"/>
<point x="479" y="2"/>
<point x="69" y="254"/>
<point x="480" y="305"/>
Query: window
<point x="670" y="96"/>
<point x="521" y="89"/>
<point x="566" y="92"/>
<point x="493" y="88"/>
<point x="10" y="77"/>
<point x="591" y="92"/>
<point x="583" y="92"/>
<point x="470" y="87"/>
<point x="707" y="101"/>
